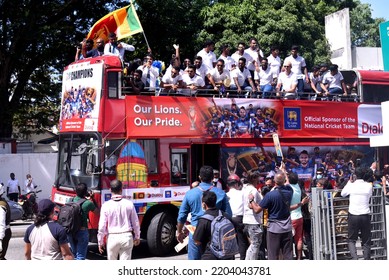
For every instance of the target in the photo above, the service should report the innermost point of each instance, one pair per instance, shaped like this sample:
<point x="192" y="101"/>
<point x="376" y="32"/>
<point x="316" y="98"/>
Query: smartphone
<point x="278" y="161"/>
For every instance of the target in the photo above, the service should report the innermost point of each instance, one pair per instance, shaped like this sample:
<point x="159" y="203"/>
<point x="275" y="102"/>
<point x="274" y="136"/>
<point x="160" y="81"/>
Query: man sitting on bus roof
<point x="172" y="80"/>
<point x="135" y="83"/>
<point x="287" y="82"/>
<point x="191" y="80"/>
<point x="333" y="82"/>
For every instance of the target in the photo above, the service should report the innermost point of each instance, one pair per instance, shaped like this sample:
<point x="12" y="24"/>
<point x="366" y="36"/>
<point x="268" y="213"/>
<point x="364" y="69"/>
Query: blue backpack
<point x="223" y="242"/>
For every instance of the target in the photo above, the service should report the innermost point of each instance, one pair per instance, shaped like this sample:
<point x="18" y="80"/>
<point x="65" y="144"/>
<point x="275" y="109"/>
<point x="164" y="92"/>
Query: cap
<point x="45" y="206"/>
<point x="233" y="179"/>
<point x="2" y="189"/>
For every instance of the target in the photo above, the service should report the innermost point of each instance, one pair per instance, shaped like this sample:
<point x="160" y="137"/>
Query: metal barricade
<point x="329" y="212"/>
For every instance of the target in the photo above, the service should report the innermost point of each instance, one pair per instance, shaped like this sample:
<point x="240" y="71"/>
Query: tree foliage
<point x="364" y="29"/>
<point x="38" y="38"/>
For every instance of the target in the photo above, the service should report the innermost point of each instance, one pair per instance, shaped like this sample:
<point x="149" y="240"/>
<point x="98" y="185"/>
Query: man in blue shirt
<point x="278" y="204"/>
<point x="192" y="205"/>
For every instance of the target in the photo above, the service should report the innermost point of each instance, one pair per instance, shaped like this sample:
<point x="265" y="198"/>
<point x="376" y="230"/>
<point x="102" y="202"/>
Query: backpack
<point x="223" y="242"/>
<point x="70" y="216"/>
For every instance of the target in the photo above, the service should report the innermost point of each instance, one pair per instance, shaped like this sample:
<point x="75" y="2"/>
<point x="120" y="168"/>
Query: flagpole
<point x="144" y="35"/>
<point x="147" y="43"/>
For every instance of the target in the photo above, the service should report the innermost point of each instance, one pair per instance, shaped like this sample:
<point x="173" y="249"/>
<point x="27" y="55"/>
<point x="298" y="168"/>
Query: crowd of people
<point x="46" y="239"/>
<point x="272" y="218"/>
<point x="247" y="72"/>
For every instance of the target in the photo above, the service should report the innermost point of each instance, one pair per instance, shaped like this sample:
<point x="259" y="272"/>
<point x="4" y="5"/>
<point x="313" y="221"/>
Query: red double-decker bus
<point x="155" y="143"/>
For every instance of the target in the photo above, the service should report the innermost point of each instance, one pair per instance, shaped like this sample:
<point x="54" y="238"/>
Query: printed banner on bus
<point x="303" y="160"/>
<point x="149" y="195"/>
<point x="81" y="91"/>
<point x="165" y="116"/>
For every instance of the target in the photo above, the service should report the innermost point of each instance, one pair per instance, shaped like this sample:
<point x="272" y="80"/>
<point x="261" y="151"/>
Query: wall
<point x="41" y="166"/>
<point x="367" y="58"/>
<point x="337" y="28"/>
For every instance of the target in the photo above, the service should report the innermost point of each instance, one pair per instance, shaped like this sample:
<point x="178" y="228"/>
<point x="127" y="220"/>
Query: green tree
<point x="364" y="29"/>
<point x="171" y="22"/>
<point x="38" y="38"/>
<point x="272" y="22"/>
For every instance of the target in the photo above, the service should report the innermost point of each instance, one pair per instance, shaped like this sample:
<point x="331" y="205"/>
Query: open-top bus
<point x="156" y="143"/>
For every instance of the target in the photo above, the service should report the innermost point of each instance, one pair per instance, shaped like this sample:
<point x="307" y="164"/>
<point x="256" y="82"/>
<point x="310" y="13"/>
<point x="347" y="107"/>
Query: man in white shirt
<point x="235" y="197"/>
<point x="229" y="62"/>
<point x="218" y="75"/>
<point x="263" y="77"/>
<point x="255" y="55"/>
<point x="299" y="68"/>
<point x="240" y="52"/>
<point x="333" y="82"/>
<point x="287" y="82"/>
<point x="192" y="81"/>
<point x="207" y="54"/>
<point x="252" y="221"/>
<point x="201" y="69"/>
<point x="150" y="73"/>
<point x="241" y="78"/>
<point x="28" y="185"/>
<point x="13" y="188"/>
<point x="360" y="192"/>
<point x="172" y="80"/>
<point x="119" y="229"/>
<point x="115" y="48"/>
<point x="274" y="61"/>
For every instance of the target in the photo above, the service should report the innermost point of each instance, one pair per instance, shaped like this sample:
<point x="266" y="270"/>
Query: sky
<point x="380" y="8"/>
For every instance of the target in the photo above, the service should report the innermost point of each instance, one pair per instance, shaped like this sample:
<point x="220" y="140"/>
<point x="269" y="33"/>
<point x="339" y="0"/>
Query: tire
<point x="161" y="234"/>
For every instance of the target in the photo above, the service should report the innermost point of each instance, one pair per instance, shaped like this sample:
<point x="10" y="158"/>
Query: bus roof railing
<point x="353" y="97"/>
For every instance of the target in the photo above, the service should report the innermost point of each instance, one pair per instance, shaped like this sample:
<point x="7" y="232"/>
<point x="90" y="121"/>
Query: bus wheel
<point x="161" y="234"/>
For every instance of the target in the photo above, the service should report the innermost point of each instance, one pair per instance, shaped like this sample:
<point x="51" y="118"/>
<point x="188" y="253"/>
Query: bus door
<point x="179" y="166"/>
<point x="204" y="154"/>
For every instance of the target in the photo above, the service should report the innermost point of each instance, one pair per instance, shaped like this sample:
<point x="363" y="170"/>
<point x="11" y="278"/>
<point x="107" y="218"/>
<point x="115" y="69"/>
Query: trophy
<point x="227" y="82"/>
<point x="192" y="117"/>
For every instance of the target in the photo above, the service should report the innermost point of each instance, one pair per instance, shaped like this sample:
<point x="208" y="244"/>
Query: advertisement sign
<point x="80" y="102"/>
<point x="384" y="36"/>
<point x="303" y="160"/>
<point x="147" y="195"/>
<point x="249" y="118"/>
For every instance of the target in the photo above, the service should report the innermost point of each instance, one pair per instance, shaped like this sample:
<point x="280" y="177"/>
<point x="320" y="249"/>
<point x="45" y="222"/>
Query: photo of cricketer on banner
<point x="81" y="94"/>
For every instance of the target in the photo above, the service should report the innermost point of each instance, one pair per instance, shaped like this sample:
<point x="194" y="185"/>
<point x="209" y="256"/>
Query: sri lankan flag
<point x="124" y="22"/>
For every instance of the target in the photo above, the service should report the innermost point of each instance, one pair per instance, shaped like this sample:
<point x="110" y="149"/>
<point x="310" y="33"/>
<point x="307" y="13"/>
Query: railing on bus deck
<point x="353" y="97"/>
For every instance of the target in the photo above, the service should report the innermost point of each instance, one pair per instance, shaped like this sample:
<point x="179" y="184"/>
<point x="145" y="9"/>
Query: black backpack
<point x="70" y="216"/>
